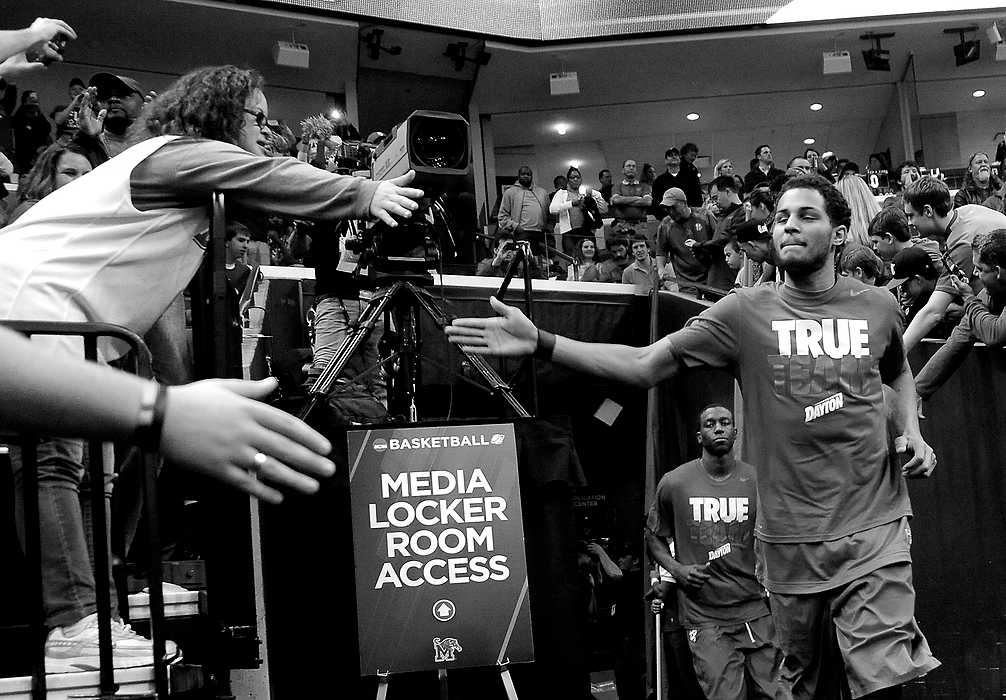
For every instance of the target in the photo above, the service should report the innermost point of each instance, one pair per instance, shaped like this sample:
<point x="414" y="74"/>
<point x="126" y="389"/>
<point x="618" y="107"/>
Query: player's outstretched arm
<point x="215" y="427"/>
<point x="511" y="334"/>
<point x="910" y="442"/>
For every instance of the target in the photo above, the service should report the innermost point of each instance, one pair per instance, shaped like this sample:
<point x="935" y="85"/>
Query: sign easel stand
<point x="442" y="678"/>
<point x="504" y="669"/>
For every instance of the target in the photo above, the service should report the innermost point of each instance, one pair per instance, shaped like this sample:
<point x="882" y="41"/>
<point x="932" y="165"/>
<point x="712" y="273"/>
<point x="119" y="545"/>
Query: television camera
<point x="436" y="146"/>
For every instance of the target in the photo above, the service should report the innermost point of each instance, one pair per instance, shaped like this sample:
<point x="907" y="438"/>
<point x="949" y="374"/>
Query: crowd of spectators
<point x="642" y="228"/>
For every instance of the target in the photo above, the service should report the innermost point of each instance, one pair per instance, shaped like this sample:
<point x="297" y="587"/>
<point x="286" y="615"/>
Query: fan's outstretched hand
<point x="509" y="333"/>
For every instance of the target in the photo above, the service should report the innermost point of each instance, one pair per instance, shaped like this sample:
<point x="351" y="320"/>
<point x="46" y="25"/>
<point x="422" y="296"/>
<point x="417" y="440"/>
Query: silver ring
<point x="259" y="459"/>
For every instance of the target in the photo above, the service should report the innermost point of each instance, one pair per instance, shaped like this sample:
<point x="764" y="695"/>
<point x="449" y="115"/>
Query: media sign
<point x="438" y="538"/>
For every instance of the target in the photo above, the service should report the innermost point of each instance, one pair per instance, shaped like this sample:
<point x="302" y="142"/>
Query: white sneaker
<point x="75" y="647"/>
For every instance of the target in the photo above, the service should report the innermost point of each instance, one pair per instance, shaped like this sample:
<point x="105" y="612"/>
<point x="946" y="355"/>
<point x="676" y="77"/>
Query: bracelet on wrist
<point x="150" y="420"/>
<point x="545" y="347"/>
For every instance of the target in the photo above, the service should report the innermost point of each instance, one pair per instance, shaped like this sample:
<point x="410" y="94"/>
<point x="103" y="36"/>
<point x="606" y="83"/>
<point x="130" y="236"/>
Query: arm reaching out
<point x="511" y="334"/>
<point x="36" y="38"/>
<point x="393" y="197"/>
<point x="215" y="427"/>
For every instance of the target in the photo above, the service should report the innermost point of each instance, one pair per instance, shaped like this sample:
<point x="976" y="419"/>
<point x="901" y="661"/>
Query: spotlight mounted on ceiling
<point x="877" y="58"/>
<point x="373" y="42"/>
<point x="969" y="50"/>
<point x="458" y="53"/>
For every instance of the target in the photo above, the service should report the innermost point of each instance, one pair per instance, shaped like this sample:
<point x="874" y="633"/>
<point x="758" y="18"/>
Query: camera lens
<point x="439" y="143"/>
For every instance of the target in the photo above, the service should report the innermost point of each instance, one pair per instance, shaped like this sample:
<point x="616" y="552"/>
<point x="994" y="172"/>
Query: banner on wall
<point x="438" y="540"/>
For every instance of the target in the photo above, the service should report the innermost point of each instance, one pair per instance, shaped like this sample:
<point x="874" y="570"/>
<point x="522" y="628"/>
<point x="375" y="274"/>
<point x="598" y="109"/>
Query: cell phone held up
<point x="57" y="43"/>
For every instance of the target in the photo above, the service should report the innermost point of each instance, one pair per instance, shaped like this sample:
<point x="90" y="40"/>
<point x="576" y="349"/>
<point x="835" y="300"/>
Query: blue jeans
<point x="66" y="543"/>
<point x="333" y="318"/>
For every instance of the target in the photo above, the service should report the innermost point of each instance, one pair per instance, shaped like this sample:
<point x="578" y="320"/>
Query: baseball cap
<point x="672" y="195"/>
<point x="910" y="262"/>
<point x="752" y="231"/>
<point x="108" y="84"/>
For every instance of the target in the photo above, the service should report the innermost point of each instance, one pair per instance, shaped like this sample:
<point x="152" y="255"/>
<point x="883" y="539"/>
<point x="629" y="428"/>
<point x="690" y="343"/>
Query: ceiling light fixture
<point x="816" y="107"/>
<point x="809" y="142"/>
<point x="978" y="93"/>
<point x="692" y="116"/>
<point x="574" y="164"/>
<point x="561" y="129"/>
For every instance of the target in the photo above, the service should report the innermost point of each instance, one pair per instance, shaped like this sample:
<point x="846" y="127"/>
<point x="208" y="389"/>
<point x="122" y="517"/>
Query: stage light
<point x="978" y="93"/>
<point x="561" y="128"/>
<point x="877" y="58"/>
<point x="969" y="50"/>
<point x="335" y="114"/>
<point x="574" y="164"/>
<point x="816" y="107"/>
<point x="692" y="116"/>
<point x="809" y="142"/>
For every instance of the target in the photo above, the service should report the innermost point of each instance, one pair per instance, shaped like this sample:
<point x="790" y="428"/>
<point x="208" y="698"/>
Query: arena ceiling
<point x="541" y="21"/>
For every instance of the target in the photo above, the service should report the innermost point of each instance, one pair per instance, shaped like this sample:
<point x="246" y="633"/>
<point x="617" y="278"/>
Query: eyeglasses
<point x="261" y="119"/>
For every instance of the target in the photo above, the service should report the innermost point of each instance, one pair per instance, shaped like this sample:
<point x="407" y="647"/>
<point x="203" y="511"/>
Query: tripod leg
<point x="368" y="319"/>
<point x="492" y="378"/>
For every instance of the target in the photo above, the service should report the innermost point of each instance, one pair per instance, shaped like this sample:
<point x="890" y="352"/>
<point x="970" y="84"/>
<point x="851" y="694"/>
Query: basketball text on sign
<point x="437" y="532"/>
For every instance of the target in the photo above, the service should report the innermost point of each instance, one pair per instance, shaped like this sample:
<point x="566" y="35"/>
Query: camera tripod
<point x="406" y="297"/>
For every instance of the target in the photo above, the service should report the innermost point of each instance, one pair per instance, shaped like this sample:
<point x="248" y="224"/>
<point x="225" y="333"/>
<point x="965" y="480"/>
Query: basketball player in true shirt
<point x="707" y="507"/>
<point x="811" y="355"/>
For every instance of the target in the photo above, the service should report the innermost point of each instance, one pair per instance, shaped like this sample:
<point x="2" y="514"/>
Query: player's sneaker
<point x="75" y="647"/>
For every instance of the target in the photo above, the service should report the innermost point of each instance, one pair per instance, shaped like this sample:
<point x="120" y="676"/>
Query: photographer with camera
<point x="147" y="210"/>
<point x="499" y="263"/>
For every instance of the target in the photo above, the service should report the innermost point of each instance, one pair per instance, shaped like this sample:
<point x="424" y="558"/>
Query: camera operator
<point x="119" y="244"/>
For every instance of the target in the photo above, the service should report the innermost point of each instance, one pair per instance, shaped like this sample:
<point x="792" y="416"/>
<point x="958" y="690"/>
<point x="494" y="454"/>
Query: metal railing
<point x="140" y="361"/>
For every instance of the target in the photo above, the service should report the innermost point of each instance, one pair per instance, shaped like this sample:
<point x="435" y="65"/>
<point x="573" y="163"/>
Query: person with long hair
<point x="980" y="182"/>
<point x="863" y="204"/>
<point x="584" y="265"/>
<point x="725" y="166"/>
<point x="147" y="209"/>
<point x="569" y="204"/>
<point x="58" y="165"/>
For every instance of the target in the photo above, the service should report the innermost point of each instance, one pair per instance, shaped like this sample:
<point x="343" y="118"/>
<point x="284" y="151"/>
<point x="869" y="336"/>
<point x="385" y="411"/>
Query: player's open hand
<point x="923" y="459"/>
<point x="393" y="197"/>
<point x="220" y="428"/>
<point x="509" y="333"/>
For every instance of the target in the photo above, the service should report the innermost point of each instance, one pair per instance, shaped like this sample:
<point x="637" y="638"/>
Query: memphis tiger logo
<point x="445" y="649"/>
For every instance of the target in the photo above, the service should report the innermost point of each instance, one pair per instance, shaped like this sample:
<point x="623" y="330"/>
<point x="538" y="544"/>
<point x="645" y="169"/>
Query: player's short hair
<point x="709" y="406"/>
<point x="672" y="151"/>
<point x="890" y="220"/>
<point x="929" y="190"/>
<point x="991" y="247"/>
<point x="835" y="205"/>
